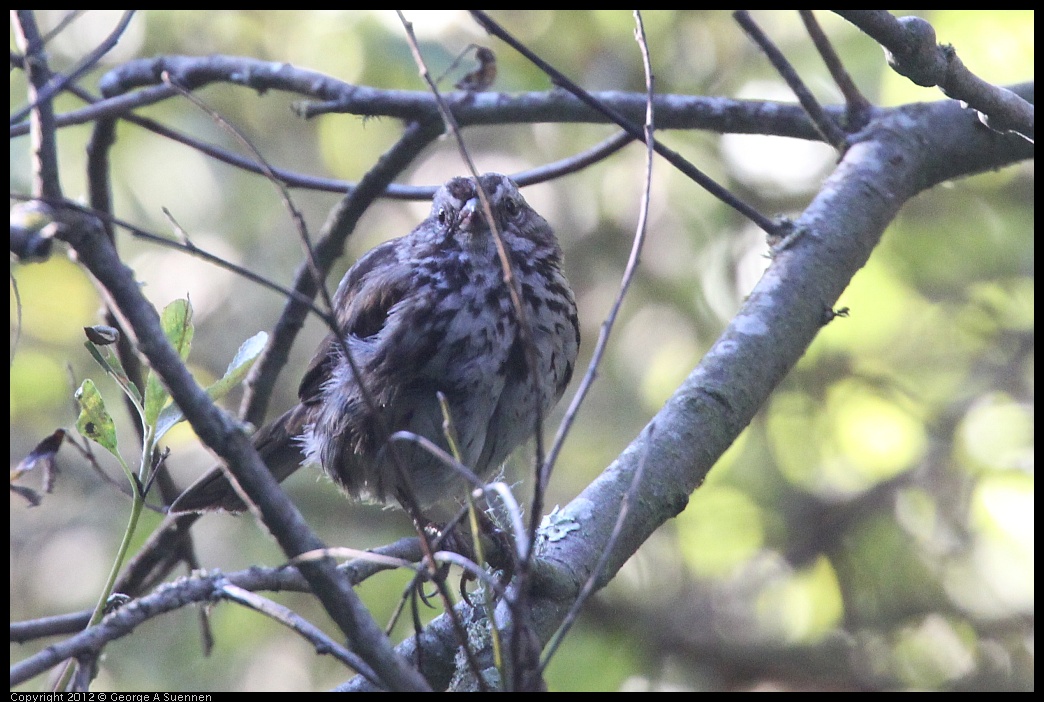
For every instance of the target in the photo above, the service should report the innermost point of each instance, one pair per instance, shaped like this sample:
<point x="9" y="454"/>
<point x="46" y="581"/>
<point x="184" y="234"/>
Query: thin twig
<point x="116" y="106"/>
<point x="831" y="133"/>
<point x="288" y="202"/>
<point x="859" y="108"/>
<point x="456" y="61"/>
<point x="436" y="451"/>
<point x="574" y="163"/>
<point x="476" y="571"/>
<point x="191" y="249"/>
<point x="514" y="511"/>
<point x="629" y="270"/>
<point x="58" y="81"/>
<point x="63" y="23"/>
<point x="293" y="621"/>
<point x="673" y="157"/>
<point x="292" y="179"/>
<point x="18" y="315"/>
<point x="42" y="127"/>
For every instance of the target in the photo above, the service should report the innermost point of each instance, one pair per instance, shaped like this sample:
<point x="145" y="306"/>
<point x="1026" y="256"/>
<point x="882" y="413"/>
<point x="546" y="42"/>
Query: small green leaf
<point x="156" y="397"/>
<point x="94" y="421"/>
<point x="177" y="326"/>
<point x="112" y="365"/>
<point x="241" y="364"/>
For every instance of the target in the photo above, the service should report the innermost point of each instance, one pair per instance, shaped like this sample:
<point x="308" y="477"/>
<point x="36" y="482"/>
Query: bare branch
<point x="832" y="134"/>
<point x="46" y="182"/>
<point x="621" y="120"/>
<point x="909" y="43"/>
<point x="859" y="108"/>
<point x="59" y="83"/>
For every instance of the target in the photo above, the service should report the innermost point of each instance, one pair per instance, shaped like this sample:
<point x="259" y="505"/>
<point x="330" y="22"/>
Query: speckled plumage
<point x="426" y="313"/>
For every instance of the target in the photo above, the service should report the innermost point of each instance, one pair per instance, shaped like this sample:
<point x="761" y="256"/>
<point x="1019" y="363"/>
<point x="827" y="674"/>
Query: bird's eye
<point x="511" y="207"/>
<point x="443" y="216"/>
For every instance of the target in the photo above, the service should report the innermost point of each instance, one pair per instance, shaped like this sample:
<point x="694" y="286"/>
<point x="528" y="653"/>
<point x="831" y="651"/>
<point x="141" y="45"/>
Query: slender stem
<point x="137" y="504"/>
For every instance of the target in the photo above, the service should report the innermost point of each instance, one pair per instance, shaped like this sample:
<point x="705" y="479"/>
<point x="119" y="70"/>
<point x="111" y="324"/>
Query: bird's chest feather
<point x="475" y="326"/>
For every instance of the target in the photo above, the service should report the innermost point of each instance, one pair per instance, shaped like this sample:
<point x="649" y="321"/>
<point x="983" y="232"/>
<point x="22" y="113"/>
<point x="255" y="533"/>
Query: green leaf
<point x="94" y="421"/>
<point x="110" y="361"/>
<point x="240" y="365"/>
<point x="177" y="327"/>
<point x="237" y="369"/>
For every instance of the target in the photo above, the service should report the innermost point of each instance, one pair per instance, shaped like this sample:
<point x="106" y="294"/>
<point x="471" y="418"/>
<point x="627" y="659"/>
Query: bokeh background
<point x="873" y="527"/>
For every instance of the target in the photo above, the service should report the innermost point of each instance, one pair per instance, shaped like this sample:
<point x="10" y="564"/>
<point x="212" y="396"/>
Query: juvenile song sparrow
<point x="428" y="313"/>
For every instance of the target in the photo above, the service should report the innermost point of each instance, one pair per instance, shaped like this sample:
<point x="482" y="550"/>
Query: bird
<point x="430" y="323"/>
<point x="482" y="77"/>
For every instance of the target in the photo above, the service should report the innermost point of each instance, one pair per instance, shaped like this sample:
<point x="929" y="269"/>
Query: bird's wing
<point x="375" y="284"/>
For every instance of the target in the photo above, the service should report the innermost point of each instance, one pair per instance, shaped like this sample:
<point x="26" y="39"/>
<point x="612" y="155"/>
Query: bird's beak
<point x="471" y="215"/>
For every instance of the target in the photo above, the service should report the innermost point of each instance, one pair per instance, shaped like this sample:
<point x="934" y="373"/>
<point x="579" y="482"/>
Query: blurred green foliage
<point x="872" y="528"/>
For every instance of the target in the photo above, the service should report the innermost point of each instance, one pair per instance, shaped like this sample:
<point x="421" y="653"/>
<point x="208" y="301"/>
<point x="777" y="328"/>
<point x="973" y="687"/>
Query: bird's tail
<point x="277" y="445"/>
